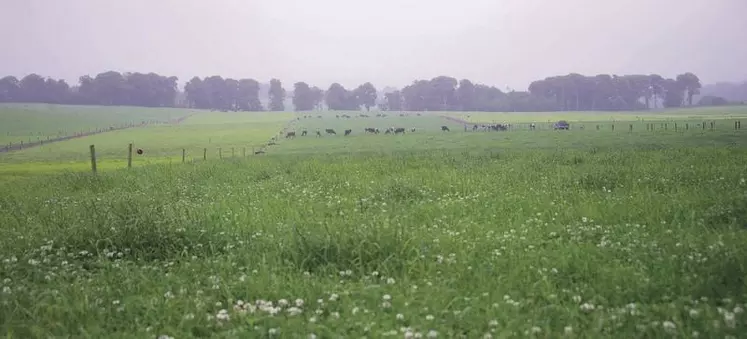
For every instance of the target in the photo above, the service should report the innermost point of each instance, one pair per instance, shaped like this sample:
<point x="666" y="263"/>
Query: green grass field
<point x="34" y="122"/>
<point x="582" y="233"/>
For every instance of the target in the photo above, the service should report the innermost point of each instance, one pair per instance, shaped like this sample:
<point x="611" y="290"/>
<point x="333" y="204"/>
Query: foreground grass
<point x="621" y="243"/>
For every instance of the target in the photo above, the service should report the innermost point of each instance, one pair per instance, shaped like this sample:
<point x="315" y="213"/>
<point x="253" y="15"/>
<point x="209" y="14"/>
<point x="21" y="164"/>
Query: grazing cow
<point x="319" y="116"/>
<point x="303" y="133"/>
<point x="348" y="131"/>
<point x="532" y="126"/>
<point x="372" y="130"/>
<point x="399" y="130"/>
<point x="444" y="128"/>
<point x="271" y="143"/>
<point x="318" y="134"/>
<point x="337" y="116"/>
<point x="259" y="152"/>
<point x="388" y="131"/>
<point x="474" y="127"/>
<point x="418" y="114"/>
<point x="412" y="129"/>
<point x="290" y="135"/>
<point x="330" y="131"/>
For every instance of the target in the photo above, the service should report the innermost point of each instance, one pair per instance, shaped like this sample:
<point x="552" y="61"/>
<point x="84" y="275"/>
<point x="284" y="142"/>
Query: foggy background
<point x="387" y="42"/>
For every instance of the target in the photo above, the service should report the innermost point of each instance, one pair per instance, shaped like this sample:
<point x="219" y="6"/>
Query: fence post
<point x="129" y="156"/>
<point x="21" y="144"/>
<point x="712" y="125"/>
<point x="675" y="126"/>
<point x="220" y="152"/>
<point x="687" y="126"/>
<point x="631" y="128"/>
<point x="613" y="127"/>
<point x="243" y="152"/>
<point x="666" y="127"/>
<point x="184" y="155"/>
<point x="204" y="154"/>
<point x="233" y="154"/>
<point x="93" y="159"/>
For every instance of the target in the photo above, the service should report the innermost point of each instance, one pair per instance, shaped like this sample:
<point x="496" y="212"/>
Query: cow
<point x="330" y="131"/>
<point x="303" y="133"/>
<point x="371" y="130"/>
<point x="348" y="131"/>
<point x="399" y="130"/>
<point x="445" y="128"/>
<point x="532" y="126"/>
<point x="259" y="152"/>
<point x="318" y="134"/>
<point x="412" y="129"/>
<point x="290" y="135"/>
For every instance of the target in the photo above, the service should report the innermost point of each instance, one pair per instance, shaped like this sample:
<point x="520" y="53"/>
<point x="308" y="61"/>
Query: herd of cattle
<point x="371" y="130"/>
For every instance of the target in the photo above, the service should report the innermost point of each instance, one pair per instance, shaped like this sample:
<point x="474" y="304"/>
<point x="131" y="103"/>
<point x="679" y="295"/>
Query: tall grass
<point x="590" y="242"/>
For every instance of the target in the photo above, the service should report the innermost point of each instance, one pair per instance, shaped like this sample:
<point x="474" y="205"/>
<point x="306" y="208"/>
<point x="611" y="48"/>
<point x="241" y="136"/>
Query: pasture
<point x="581" y="233"/>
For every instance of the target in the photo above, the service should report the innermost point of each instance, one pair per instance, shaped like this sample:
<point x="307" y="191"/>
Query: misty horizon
<point x="506" y="43"/>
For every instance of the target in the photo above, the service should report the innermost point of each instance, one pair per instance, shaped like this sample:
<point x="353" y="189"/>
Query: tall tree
<point x="277" y="96"/>
<point x="303" y="97"/>
<point x="366" y="95"/>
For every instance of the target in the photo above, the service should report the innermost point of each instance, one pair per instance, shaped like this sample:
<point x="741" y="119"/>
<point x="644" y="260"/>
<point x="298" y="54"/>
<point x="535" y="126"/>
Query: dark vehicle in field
<point x="562" y="124"/>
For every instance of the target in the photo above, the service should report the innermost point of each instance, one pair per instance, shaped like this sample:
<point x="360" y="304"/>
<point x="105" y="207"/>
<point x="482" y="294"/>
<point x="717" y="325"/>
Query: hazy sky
<point x="387" y="42"/>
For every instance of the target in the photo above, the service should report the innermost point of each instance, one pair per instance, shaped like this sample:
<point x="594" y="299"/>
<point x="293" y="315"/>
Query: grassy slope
<point x="597" y="233"/>
<point x="161" y="143"/>
<point x="32" y="122"/>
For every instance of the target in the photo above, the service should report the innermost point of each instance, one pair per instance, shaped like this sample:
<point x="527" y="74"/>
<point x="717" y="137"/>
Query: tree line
<point x="558" y="93"/>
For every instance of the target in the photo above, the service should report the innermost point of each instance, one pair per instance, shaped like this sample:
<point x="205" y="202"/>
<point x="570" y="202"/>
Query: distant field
<point x="682" y="115"/>
<point x="583" y="233"/>
<point x="32" y="122"/>
<point x="161" y="143"/>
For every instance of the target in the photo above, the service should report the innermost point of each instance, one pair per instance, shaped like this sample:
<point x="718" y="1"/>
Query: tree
<point x="337" y="97"/>
<point x="466" y="95"/>
<point x="366" y="95"/>
<point x="9" y="89"/>
<point x="303" y="97"/>
<point x="691" y="85"/>
<point x="317" y="95"/>
<point x="277" y="96"/>
<point x="248" y="95"/>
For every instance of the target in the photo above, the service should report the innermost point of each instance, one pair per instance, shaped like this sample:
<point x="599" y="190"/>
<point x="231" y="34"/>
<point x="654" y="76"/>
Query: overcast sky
<point x="387" y="42"/>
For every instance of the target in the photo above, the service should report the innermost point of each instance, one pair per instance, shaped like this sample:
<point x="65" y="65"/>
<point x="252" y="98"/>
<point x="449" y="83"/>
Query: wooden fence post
<point x="220" y="152"/>
<point x="204" y="154"/>
<point x="613" y="127"/>
<point x="93" y="159"/>
<point x="21" y="144"/>
<point x="631" y="128"/>
<point x="184" y="155"/>
<point x="713" y="125"/>
<point x="129" y="156"/>
<point x="243" y="152"/>
<point x="687" y="126"/>
<point x="233" y="154"/>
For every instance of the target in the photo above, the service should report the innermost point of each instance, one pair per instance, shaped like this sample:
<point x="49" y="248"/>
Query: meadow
<point x="584" y="233"/>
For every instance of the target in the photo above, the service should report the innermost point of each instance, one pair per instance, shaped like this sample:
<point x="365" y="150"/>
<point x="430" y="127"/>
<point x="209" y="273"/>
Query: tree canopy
<point x="573" y="91"/>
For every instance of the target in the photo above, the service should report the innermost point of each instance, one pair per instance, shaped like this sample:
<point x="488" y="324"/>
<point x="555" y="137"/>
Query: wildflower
<point x="568" y="330"/>
<point x="223" y="315"/>
<point x="669" y="326"/>
<point x="299" y="302"/>
<point x="432" y="334"/>
<point x="390" y="281"/>
<point x="400" y="316"/>
<point x="429" y="317"/>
